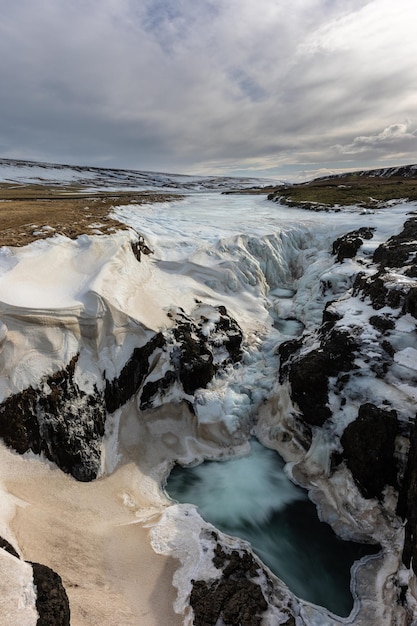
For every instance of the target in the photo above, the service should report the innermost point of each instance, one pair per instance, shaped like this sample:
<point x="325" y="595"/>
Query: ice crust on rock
<point x="226" y="274"/>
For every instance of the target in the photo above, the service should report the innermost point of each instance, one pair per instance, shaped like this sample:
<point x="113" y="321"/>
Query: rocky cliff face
<point x="67" y="424"/>
<point x="351" y="384"/>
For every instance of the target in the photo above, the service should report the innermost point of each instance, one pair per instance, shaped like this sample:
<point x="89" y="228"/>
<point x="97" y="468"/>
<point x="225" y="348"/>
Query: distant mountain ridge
<point x="34" y="172"/>
<point x="402" y="171"/>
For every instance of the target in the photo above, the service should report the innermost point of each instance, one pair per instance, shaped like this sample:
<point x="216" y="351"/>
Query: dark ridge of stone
<point x="387" y="346"/>
<point x="72" y="425"/>
<point x="234" y="598"/>
<point x="194" y="359"/>
<point x="193" y="355"/>
<point x="153" y="388"/>
<point x="52" y="601"/>
<point x="309" y="374"/>
<point x="234" y="563"/>
<point x="5" y="545"/>
<point x="121" y="389"/>
<point x="232" y="330"/>
<point x="375" y="289"/>
<point x="410" y="303"/>
<point x="58" y="419"/>
<point x="368" y="449"/>
<point x="308" y="377"/>
<point x="19" y="426"/>
<point x="383" y="323"/>
<point x="286" y="350"/>
<point x="347" y="246"/>
<point x="407" y="503"/>
<point x="397" y="250"/>
<point x="411" y="271"/>
<point x="139" y="247"/>
<point x="330" y="316"/>
<point x="61" y="420"/>
<point x="339" y="345"/>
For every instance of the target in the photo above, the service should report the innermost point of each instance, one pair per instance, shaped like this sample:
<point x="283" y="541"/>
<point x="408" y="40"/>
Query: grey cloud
<point x="395" y="136"/>
<point x="179" y="84"/>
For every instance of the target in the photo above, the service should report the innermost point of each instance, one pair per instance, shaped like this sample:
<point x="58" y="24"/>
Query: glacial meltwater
<point x="252" y="498"/>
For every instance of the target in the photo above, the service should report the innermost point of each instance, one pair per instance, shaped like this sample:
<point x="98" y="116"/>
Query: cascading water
<point x="252" y="498"/>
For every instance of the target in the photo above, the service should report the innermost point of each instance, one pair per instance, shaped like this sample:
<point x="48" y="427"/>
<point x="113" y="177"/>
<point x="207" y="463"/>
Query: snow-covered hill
<point x="401" y="171"/>
<point x="50" y="173"/>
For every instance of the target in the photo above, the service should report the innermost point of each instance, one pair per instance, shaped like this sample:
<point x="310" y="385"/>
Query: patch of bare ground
<point x="30" y="212"/>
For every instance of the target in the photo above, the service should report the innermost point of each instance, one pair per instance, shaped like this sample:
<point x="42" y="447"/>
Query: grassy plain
<point x="350" y="189"/>
<point x="369" y="191"/>
<point x="30" y="212"/>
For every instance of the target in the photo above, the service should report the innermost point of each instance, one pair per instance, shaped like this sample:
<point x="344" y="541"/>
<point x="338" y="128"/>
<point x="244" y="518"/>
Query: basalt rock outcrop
<point x="52" y="602"/>
<point x="67" y="424"/>
<point x="198" y="345"/>
<point x="308" y="372"/>
<point x="406" y="507"/>
<point x="237" y="596"/>
<point x="58" y="419"/>
<point x="353" y="381"/>
<point x="369" y="450"/>
<point x="119" y="390"/>
<point x="347" y="246"/>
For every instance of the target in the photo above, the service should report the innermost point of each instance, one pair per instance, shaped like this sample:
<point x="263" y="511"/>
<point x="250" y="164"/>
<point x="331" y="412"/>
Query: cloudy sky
<point x="281" y="88"/>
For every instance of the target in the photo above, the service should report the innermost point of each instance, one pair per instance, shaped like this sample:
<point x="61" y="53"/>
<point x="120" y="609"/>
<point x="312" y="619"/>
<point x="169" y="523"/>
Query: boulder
<point x="347" y="246"/>
<point x="235" y="598"/>
<point x="52" y="601"/>
<point x="58" y="419"/>
<point x="368" y="449"/>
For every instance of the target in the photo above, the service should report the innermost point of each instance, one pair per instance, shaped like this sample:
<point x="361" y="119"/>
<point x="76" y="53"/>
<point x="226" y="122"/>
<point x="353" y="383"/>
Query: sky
<point x="286" y="89"/>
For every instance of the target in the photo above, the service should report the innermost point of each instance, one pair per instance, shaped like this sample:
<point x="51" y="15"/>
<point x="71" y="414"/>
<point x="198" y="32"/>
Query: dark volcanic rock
<point x="71" y="425"/>
<point x="51" y="598"/>
<point x="59" y="419"/>
<point x="52" y="601"/>
<point x="121" y="389"/>
<point x="381" y="288"/>
<point x="139" y="247"/>
<point x="194" y="353"/>
<point x="410" y="303"/>
<point x="396" y="252"/>
<point x="309" y="374"/>
<point x="330" y="315"/>
<point x="407" y="503"/>
<point x="153" y="388"/>
<point x="286" y="350"/>
<point x="347" y="246"/>
<point x="339" y="345"/>
<point x="230" y="329"/>
<point x="310" y="388"/>
<point x="195" y="359"/>
<point x="235" y="598"/>
<point x="383" y="323"/>
<point x="19" y="426"/>
<point x="368" y="448"/>
<point x="411" y="271"/>
<point x="376" y="290"/>
<point x="5" y="545"/>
